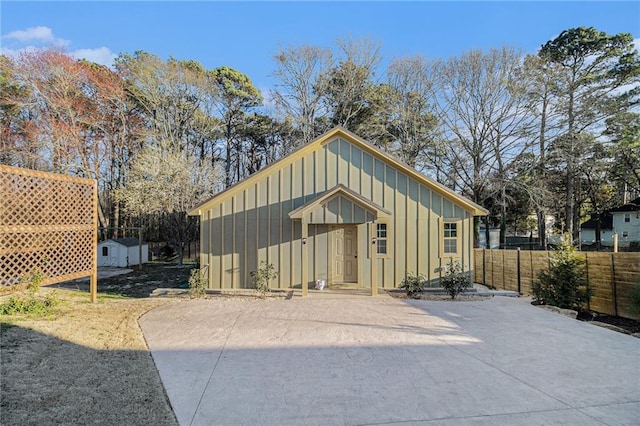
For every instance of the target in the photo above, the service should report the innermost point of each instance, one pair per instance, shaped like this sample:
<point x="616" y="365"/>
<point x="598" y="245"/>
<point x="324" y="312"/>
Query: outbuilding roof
<point x="126" y="241"/>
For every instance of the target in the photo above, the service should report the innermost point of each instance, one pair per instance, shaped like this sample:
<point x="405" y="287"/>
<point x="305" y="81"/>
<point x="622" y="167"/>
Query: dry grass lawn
<point x="84" y="364"/>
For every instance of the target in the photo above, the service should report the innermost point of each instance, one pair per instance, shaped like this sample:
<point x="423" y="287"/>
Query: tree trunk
<point x="596" y="217"/>
<point x="503" y="218"/>
<point x="542" y="228"/>
<point x="180" y="249"/>
<point x="487" y="234"/>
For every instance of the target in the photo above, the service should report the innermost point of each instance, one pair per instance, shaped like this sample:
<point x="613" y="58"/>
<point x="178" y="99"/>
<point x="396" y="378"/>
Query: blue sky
<point x="246" y="35"/>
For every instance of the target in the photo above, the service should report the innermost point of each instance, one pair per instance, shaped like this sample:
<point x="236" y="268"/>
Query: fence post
<point x="519" y="289"/>
<point x="586" y="265"/>
<point x="140" y="248"/>
<point x="613" y="282"/>
<point x="484" y="266"/>
<point x="504" y="281"/>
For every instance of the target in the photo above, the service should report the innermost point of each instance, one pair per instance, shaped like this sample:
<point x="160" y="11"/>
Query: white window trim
<point x="374" y="247"/>
<point x="458" y="223"/>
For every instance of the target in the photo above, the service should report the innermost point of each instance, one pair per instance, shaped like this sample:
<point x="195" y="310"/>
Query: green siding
<point x="254" y="225"/>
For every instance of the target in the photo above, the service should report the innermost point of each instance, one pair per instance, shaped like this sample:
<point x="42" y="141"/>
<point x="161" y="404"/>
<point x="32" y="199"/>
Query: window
<point x="105" y="251"/>
<point x="381" y="238"/>
<point x="627" y="217"/>
<point x="450" y="238"/>
<point x="625" y="234"/>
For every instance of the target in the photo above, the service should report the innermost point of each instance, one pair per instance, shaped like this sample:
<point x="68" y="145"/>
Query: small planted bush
<point x="31" y="303"/>
<point x="262" y="276"/>
<point x="413" y="285"/>
<point x="455" y="280"/>
<point x="197" y="284"/>
<point x="564" y="284"/>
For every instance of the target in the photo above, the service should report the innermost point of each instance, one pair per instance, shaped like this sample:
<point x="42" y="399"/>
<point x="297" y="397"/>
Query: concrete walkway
<point x="362" y="360"/>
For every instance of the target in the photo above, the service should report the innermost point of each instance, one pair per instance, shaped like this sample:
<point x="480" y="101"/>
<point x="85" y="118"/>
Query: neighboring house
<point x="336" y="209"/>
<point x="122" y="252"/>
<point x="588" y="230"/>
<point x="626" y="222"/>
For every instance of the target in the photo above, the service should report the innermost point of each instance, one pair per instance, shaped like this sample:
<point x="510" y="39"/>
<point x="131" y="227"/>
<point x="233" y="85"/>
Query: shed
<point x="337" y="209"/>
<point x="122" y="252"/>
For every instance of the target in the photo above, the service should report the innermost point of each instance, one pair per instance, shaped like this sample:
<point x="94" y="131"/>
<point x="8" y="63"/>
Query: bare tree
<point x="411" y="120"/>
<point x="542" y="91"/>
<point x="173" y="97"/>
<point x="347" y="84"/>
<point x="301" y="73"/>
<point x="484" y="110"/>
<point x="166" y="179"/>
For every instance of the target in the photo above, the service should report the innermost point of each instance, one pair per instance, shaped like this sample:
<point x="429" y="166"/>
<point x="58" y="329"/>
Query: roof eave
<point x="468" y="205"/>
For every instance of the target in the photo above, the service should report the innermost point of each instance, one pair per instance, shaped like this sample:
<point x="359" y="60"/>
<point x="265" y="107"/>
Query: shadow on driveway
<point x="384" y="361"/>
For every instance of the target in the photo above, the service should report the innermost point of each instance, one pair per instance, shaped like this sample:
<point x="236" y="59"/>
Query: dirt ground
<point x="87" y="363"/>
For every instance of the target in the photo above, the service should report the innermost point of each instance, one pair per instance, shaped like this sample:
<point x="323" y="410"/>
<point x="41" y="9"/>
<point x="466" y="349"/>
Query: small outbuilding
<point x="337" y="209"/>
<point x="122" y="252"/>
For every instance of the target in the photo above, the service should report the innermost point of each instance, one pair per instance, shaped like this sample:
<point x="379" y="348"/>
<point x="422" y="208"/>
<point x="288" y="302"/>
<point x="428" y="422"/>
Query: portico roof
<point x="339" y="190"/>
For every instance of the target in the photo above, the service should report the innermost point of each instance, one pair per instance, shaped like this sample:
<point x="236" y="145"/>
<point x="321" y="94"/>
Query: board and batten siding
<point x="252" y="225"/>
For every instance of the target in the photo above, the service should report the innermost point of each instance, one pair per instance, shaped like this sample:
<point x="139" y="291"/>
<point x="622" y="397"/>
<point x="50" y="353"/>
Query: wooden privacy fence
<point x="612" y="276"/>
<point x="48" y="225"/>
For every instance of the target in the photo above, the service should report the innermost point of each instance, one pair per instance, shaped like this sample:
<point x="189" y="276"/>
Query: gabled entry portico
<point x="353" y="221"/>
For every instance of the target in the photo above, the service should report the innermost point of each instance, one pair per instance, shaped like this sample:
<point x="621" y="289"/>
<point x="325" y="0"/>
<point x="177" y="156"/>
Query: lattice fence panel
<point x="48" y="223"/>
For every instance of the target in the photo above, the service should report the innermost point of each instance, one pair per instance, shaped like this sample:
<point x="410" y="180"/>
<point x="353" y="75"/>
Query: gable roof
<point x="632" y="206"/>
<point x="606" y="222"/>
<point x="337" y="190"/>
<point x="125" y="241"/>
<point x="338" y="131"/>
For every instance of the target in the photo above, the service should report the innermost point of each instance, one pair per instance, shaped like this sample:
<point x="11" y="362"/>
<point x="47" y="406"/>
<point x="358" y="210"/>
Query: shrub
<point x="33" y="281"/>
<point x="564" y="284"/>
<point x="262" y="276"/>
<point x="413" y="285"/>
<point x="455" y="280"/>
<point x="31" y="303"/>
<point x="197" y="284"/>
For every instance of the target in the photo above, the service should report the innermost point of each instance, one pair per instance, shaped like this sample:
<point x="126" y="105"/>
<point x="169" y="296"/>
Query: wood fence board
<point x="501" y="272"/>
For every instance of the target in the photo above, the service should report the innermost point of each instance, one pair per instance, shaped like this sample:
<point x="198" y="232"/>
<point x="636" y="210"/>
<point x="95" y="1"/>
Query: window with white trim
<point x="627" y="217"/>
<point x="450" y="240"/>
<point x="382" y="234"/>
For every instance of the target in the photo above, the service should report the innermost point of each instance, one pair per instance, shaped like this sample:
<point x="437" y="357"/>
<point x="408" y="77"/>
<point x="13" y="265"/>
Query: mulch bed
<point x="399" y="294"/>
<point x="626" y="325"/>
<point x="139" y="283"/>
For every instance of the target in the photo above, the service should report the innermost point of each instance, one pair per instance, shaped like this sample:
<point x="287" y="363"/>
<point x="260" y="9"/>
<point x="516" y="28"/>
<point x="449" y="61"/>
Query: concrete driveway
<point x="326" y="360"/>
